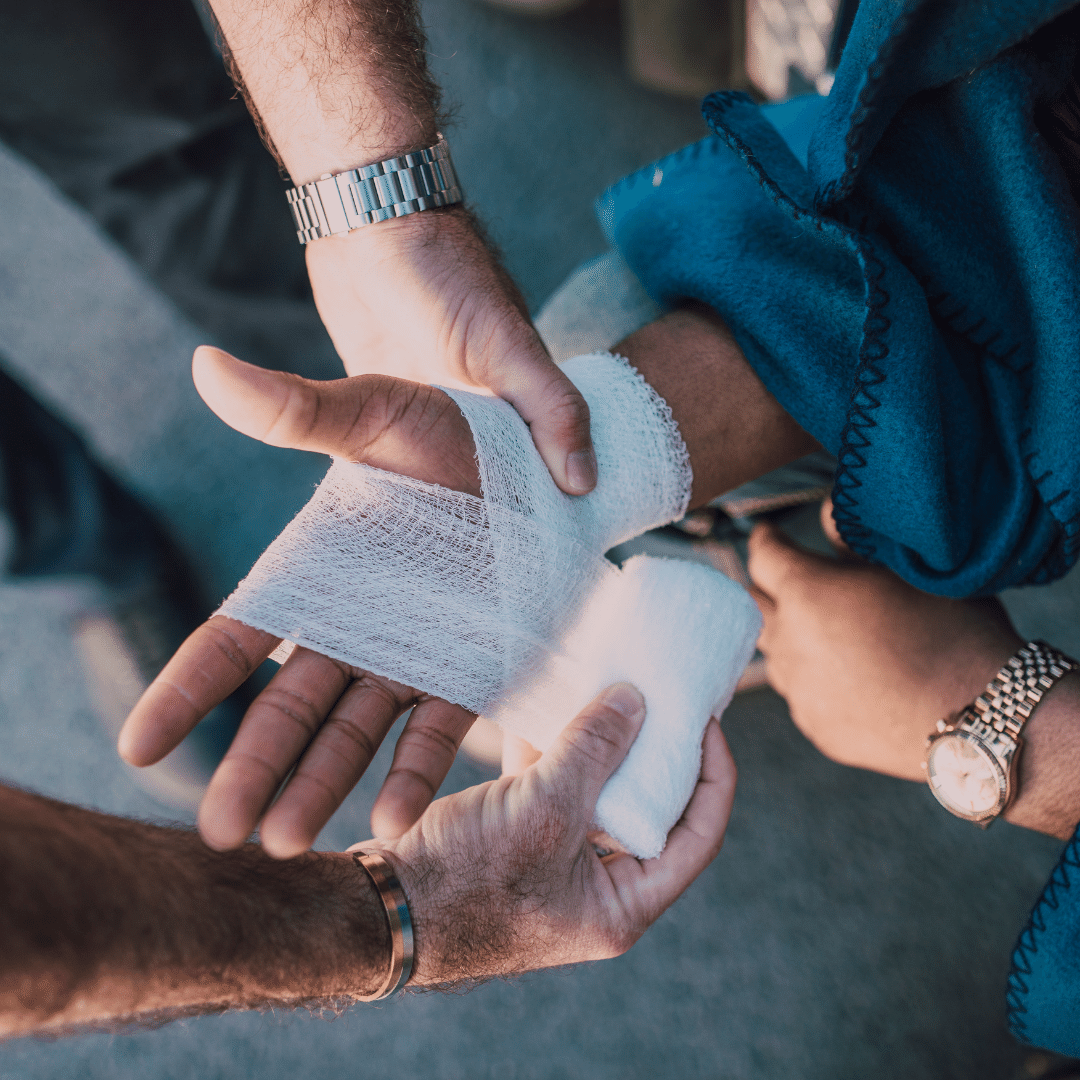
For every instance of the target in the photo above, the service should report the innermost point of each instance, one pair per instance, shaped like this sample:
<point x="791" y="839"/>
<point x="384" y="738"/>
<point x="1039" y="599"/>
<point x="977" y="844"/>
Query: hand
<point x="502" y="878"/>
<point x="323" y="717"/>
<point x="424" y="299"/>
<point x="867" y="663"/>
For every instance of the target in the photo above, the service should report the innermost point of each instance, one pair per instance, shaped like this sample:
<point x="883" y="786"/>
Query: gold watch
<point x="971" y="761"/>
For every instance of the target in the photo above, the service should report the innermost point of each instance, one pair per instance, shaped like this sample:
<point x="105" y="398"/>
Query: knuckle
<point x="394" y="695"/>
<point x="429" y="740"/>
<point x="600" y="740"/>
<point x="564" y="410"/>
<point x="257" y="768"/>
<point x="292" y="706"/>
<point x="229" y="648"/>
<point x="298" y="416"/>
<point x="545" y="832"/>
<point x="360" y="742"/>
<point x="312" y="778"/>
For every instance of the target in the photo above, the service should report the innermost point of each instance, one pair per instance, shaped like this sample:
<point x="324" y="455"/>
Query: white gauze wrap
<point x="506" y="605"/>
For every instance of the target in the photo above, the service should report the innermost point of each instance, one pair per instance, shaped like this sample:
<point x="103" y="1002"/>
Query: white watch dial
<point x="965" y="776"/>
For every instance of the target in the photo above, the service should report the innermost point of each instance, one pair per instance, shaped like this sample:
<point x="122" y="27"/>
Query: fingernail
<point x="625" y="699"/>
<point x="581" y="470"/>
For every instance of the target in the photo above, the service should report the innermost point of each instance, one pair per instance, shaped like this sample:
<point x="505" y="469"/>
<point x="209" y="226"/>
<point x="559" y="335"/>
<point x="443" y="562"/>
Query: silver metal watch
<point x="340" y="202"/>
<point x="971" y="762"/>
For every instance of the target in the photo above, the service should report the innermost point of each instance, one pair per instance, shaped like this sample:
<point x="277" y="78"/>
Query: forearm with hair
<point x="106" y="920"/>
<point x="332" y="84"/>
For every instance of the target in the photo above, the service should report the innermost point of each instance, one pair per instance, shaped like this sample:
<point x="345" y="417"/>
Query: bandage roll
<point x="682" y="633"/>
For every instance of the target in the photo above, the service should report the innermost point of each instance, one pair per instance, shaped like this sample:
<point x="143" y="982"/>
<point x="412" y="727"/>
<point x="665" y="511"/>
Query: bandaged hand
<point x="423" y="298"/>
<point x="322" y="716"/>
<point x="502" y="878"/>
<point x="505" y="604"/>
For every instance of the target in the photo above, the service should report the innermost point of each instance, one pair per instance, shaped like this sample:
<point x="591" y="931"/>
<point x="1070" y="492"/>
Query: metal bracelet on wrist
<point x="971" y="762"/>
<point x="1011" y="696"/>
<point x="338" y="203"/>
<point x="398" y="918"/>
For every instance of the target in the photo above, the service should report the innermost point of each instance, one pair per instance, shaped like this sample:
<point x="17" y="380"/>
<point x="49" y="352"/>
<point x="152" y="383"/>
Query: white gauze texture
<point x="506" y="605"/>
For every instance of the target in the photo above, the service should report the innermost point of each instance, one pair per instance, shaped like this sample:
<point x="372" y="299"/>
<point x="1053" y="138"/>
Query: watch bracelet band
<point x="1011" y="696"/>
<point x="338" y="203"/>
<point x="397" y="916"/>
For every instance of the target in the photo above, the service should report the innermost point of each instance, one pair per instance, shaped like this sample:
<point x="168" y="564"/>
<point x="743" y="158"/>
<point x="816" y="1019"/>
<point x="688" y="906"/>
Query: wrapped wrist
<point x="506" y="605"/>
<point x="644" y="470"/>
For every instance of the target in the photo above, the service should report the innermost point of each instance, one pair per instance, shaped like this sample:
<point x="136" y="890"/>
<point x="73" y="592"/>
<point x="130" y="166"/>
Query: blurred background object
<point x="686" y="47"/>
<point x="775" y="49"/>
<point x="793" y="46"/>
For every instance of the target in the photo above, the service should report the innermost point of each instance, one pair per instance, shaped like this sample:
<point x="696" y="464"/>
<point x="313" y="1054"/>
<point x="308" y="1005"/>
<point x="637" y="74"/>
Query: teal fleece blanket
<point x="909" y="291"/>
<point x="900" y="263"/>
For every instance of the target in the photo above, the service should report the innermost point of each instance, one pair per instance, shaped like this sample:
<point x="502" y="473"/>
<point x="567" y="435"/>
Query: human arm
<point x="732" y="426"/>
<point x="109" y="920"/>
<point x="869" y="664"/>
<point x="334" y="86"/>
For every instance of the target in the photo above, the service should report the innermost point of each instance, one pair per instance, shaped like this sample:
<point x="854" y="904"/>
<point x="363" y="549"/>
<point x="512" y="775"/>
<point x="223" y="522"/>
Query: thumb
<point x="382" y="421"/>
<point x="554" y="409"/>
<point x="591" y="747"/>
<point x="831" y="529"/>
<point x="276" y="407"/>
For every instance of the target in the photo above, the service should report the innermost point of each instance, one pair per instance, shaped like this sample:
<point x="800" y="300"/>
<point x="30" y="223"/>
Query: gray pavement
<point x="849" y="927"/>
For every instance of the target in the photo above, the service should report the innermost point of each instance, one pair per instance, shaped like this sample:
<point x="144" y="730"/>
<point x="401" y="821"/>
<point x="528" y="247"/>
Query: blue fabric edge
<point x="1026" y="950"/>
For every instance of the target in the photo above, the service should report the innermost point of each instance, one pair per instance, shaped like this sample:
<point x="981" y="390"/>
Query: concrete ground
<point x="849" y="928"/>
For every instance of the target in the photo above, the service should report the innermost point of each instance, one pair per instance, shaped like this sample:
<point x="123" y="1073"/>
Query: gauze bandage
<point x="506" y="605"/>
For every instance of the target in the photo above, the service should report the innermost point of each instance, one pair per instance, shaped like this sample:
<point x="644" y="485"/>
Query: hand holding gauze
<point x="505" y="605"/>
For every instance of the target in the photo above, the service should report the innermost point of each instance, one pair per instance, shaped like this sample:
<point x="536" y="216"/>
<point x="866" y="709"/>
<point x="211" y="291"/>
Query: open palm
<point x="320" y="719"/>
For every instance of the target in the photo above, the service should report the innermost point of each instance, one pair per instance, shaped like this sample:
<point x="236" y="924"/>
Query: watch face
<point x="966" y="778"/>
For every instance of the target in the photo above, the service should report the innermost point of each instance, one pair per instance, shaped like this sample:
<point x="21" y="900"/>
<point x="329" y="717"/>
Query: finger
<point x="276" y="729"/>
<point x="282" y="409"/>
<point x="337" y="757"/>
<point x="590" y="748"/>
<point x="518" y="755"/>
<point x="766" y="604"/>
<point x="555" y="411"/>
<point x="774" y="560"/>
<point x="392" y="424"/>
<point x="424" y="753"/>
<point x="652" y="886"/>
<point x="206" y="669"/>
<point x="832" y="531"/>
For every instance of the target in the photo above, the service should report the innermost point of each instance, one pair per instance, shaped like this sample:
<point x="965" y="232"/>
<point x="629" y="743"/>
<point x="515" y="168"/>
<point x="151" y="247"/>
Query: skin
<point x="868" y="665"/>
<point x="326" y="718"/>
<point x="337" y="84"/>
<point x="108" y="921"/>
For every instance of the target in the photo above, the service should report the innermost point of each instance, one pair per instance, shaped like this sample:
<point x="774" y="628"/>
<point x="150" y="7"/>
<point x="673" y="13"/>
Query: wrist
<point x="462" y="931"/>
<point x="1048" y="793"/>
<point x="733" y="427"/>
<point x="420" y="879"/>
<point x="397" y="236"/>
<point x="317" y="145"/>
